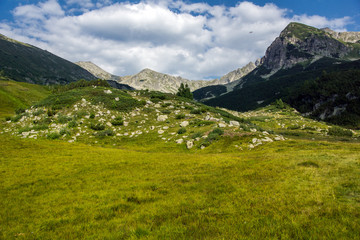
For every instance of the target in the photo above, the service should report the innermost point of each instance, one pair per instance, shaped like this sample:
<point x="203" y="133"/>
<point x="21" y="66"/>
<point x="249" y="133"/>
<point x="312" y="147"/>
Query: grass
<point x="15" y="95"/>
<point x="53" y="189"/>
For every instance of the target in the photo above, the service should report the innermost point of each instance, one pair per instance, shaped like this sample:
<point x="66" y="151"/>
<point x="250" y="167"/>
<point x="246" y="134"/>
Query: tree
<point x="184" y="91"/>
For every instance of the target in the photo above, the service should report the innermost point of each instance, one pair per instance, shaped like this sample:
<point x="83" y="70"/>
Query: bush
<point x="40" y="127"/>
<point x="92" y="115"/>
<point x="72" y="124"/>
<point x="195" y="111"/>
<point x="340" y="132"/>
<point x="166" y="111"/>
<point x="64" y="131"/>
<point x="181" y="130"/>
<point x="104" y="133"/>
<point x="97" y="126"/>
<point x="19" y="110"/>
<point x="63" y="119"/>
<point x="50" y="112"/>
<point x="180" y="116"/>
<point x="16" y="118"/>
<point x="38" y="112"/>
<point x="7" y="118"/>
<point x="218" y="131"/>
<point x="117" y="121"/>
<point x="196" y="135"/>
<point x="53" y="135"/>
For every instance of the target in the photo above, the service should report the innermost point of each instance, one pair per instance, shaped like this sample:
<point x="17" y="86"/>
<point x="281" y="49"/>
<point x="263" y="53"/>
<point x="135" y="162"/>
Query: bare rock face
<point x="299" y="43"/>
<point x="238" y="73"/>
<point x="96" y="70"/>
<point x="350" y="37"/>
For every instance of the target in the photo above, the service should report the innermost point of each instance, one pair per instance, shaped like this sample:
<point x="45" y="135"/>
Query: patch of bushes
<point x="181" y="130"/>
<point x="16" y="118"/>
<point x="104" y="133"/>
<point x="53" y="135"/>
<point x="180" y="116"/>
<point x="340" y="132"/>
<point x="308" y="164"/>
<point x="195" y="111"/>
<point x="117" y="121"/>
<point x="92" y="115"/>
<point x="165" y="104"/>
<point x="72" y="124"/>
<point x="40" y="127"/>
<point x="166" y="111"/>
<point x="63" y="119"/>
<point x="64" y="131"/>
<point x="214" y="135"/>
<point x="197" y="135"/>
<point x="51" y="112"/>
<point x="19" y="110"/>
<point x="293" y="127"/>
<point x="38" y="112"/>
<point x="97" y="126"/>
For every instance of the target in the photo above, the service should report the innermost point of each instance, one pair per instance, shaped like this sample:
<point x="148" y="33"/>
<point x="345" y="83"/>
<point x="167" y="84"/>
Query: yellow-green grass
<point x="284" y="190"/>
<point x="15" y="95"/>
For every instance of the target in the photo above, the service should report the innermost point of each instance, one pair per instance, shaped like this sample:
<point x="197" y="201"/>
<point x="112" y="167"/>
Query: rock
<point x="108" y="91"/>
<point x="184" y="124"/>
<point x="253" y="130"/>
<point x="165" y="127"/>
<point x="126" y="124"/>
<point x="109" y="124"/>
<point x="235" y="123"/>
<point x="117" y="99"/>
<point x="267" y="139"/>
<point x="152" y="127"/>
<point x="189" y="144"/>
<point x="251" y="146"/>
<point x="162" y="118"/>
<point x="265" y="133"/>
<point x="222" y="125"/>
<point x="202" y="147"/>
<point x="157" y="105"/>
<point x="179" y="141"/>
<point x="207" y="117"/>
<point x="160" y="132"/>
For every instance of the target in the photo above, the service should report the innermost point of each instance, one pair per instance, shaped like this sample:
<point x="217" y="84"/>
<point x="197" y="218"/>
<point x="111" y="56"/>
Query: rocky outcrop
<point x="238" y="73"/>
<point x="350" y="37"/>
<point x="298" y="43"/>
<point x="96" y="70"/>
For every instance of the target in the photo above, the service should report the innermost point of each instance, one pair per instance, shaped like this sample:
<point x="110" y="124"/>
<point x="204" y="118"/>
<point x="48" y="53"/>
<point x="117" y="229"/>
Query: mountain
<point x="155" y="81"/>
<point x="299" y="56"/>
<point x="97" y="71"/>
<point x="26" y="63"/>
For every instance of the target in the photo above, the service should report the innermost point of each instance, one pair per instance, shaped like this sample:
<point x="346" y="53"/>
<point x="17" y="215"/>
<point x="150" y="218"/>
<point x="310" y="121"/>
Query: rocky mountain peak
<point x="298" y="43"/>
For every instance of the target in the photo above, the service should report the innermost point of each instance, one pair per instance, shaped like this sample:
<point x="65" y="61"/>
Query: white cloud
<point x="191" y="40"/>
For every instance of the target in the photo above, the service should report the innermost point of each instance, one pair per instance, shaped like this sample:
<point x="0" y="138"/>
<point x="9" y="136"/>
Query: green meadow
<point x="241" y="185"/>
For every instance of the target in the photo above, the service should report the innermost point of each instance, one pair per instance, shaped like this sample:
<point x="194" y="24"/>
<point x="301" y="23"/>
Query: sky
<point x="192" y="39"/>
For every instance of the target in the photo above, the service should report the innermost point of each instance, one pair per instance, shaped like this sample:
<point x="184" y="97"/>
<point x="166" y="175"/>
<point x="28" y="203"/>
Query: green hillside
<point x="79" y="166"/>
<point x="25" y="63"/>
<point x="15" y="95"/>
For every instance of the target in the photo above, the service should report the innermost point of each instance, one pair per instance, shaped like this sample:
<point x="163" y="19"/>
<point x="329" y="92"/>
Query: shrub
<point x="53" y="135"/>
<point x="166" y="111"/>
<point x="19" y="110"/>
<point x="64" y="131"/>
<point x="195" y="111"/>
<point x="80" y="114"/>
<point x="51" y="112"/>
<point x="97" y="126"/>
<point x="180" y="116"/>
<point x="7" y="118"/>
<point x="63" y="119"/>
<point x="38" y="112"/>
<point x="117" y="121"/>
<point x="104" y="133"/>
<point x="72" y="124"/>
<point x="196" y="135"/>
<point x="24" y="129"/>
<point x="340" y="132"/>
<point x="92" y="115"/>
<point x="165" y="104"/>
<point x="181" y="130"/>
<point x="16" y="118"/>
<point x="218" y="131"/>
<point x="40" y="127"/>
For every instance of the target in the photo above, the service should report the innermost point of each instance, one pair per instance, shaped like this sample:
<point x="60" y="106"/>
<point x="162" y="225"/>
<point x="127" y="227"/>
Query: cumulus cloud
<point x="195" y="41"/>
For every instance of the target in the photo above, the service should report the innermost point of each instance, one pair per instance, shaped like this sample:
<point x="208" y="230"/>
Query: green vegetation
<point x="18" y="95"/>
<point x="184" y="91"/>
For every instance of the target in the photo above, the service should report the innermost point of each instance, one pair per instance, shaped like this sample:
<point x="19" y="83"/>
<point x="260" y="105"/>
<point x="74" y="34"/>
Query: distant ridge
<point x="26" y="63"/>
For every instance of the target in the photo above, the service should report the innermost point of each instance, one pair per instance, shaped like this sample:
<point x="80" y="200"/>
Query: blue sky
<point x="193" y="39"/>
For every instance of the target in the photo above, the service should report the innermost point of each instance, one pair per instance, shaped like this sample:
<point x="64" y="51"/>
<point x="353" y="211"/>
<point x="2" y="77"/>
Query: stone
<point x="251" y="146"/>
<point x="165" y="127"/>
<point x="222" y="125"/>
<point x="162" y="118"/>
<point x="184" y="124"/>
<point x="179" y="141"/>
<point x="126" y="124"/>
<point x="189" y="144"/>
<point x="108" y="91"/>
<point x="160" y="132"/>
<point x="117" y="99"/>
<point x="152" y="127"/>
<point x="109" y="124"/>
<point x="235" y="123"/>
<point x="202" y="147"/>
<point x="253" y="130"/>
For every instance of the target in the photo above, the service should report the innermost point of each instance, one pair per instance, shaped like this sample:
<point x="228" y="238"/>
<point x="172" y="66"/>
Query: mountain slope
<point x="26" y="63"/>
<point x="300" y="54"/>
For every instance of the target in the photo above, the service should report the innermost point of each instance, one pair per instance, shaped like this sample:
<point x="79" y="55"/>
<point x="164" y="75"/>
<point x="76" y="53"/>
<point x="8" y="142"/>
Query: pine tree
<point x="184" y="91"/>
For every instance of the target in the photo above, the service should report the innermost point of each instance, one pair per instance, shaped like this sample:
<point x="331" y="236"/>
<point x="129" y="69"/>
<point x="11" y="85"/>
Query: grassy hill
<point x="94" y="162"/>
<point x="15" y="95"/>
<point x="25" y="63"/>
